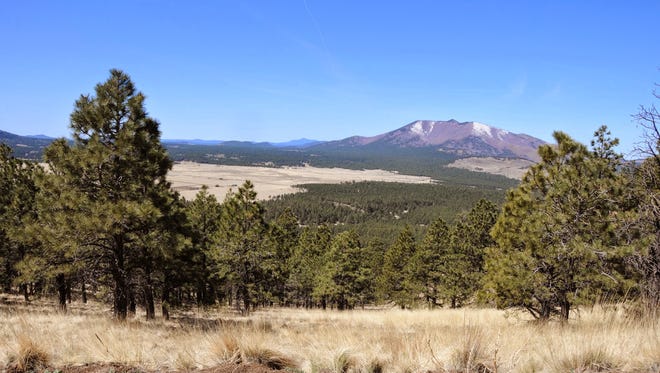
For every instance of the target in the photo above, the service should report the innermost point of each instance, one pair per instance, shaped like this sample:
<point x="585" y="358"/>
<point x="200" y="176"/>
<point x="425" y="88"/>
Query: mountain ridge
<point x="464" y="139"/>
<point x="453" y="138"/>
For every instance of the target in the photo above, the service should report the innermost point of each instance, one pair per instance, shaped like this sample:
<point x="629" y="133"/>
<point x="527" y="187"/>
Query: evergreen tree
<point x="242" y="252"/>
<point x="107" y="195"/>
<point x="463" y="267"/>
<point x="306" y="262"/>
<point x="17" y="208"/>
<point x="284" y="236"/>
<point x="395" y="280"/>
<point x="204" y="215"/>
<point x="428" y="264"/>
<point x="344" y="279"/>
<point x="555" y="239"/>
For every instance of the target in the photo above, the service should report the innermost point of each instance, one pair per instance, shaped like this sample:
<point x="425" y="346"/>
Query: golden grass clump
<point x="268" y="357"/>
<point x="29" y="356"/>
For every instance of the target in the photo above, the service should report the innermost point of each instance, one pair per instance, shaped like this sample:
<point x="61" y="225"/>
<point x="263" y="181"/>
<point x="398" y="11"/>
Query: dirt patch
<point x="511" y="168"/>
<point x="188" y="177"/>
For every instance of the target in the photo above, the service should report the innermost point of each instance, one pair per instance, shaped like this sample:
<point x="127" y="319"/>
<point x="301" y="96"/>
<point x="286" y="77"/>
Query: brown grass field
<point x="188" y="177"/>
<point x="297" y="340"/>
<point x="511" y="168"/>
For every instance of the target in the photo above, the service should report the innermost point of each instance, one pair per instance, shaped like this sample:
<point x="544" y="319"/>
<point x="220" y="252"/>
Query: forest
<point x="100" y="220"/>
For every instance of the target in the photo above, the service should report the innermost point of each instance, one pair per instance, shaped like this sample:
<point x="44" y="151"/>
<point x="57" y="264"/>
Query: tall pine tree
<point x="107" y="196"/>
<point x="556" y="243"/>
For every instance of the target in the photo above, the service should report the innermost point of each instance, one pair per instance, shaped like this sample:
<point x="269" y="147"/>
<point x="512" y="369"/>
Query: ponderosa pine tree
<point x="305" y="264"/>
<point x="463" y="266"/>
<point x="106" y="196"/>
<point x="242" y="251"/>
<point x="284" y="236"/>
<point x="556" y="236"/>
<point x="395" y="280"/>
<point x="17" y="208"/>
<point x="204" y="215"/>
<point x="427" y="267"/>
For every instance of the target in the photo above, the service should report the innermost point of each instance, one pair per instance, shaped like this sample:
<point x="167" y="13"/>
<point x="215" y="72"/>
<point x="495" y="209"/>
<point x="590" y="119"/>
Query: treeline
<point x="583" y="226"/>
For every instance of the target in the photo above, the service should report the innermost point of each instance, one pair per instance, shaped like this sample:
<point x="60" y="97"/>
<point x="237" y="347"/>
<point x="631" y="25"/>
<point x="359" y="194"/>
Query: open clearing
<point x="188" y="177"/>
<point x="511" y="168"/>
<point x="386" y="340"/>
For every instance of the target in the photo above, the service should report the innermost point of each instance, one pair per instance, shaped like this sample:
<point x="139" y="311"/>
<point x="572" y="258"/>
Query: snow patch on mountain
<point x="480" y="129"/>
<point x="421" y="128"/>
<point x="501" y="134"/>
<point x="417" y="128"/>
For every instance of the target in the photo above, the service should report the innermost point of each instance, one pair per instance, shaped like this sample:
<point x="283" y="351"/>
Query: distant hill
<point x="29" y="147"/>
<point x="463" y="139"/>
<point x="423" y="147"/>
<point x="300" y="143"/>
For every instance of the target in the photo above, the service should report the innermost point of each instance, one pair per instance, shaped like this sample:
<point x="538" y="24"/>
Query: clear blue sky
<point x="279" y="70"/>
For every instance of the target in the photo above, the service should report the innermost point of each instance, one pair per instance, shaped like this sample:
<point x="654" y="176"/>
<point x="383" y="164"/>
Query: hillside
<point x="29" y="147"/>
<point x="462" y="139"/>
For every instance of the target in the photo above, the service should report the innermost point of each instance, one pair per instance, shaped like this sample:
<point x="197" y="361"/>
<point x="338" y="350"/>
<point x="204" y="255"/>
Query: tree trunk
<point x="120" y="300"/>
<point x="132" y="305"/>
<point x="565" y="310"/>
<point x="148" y="290"/>
<point x="165" y="301"/>
<point x="84" y="291"/>
<point x="26" y="293"/>
<point x="149" y="306"/>
<point x="60" y="281"/>
<point x="120" y="295"/>
<point x="245" y="294"/>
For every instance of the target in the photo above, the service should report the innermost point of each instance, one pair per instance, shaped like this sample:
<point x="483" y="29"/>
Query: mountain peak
<point x="460" y="138"/>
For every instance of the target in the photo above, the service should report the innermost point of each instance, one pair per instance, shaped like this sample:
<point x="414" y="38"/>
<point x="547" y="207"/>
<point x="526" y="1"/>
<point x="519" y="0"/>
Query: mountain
<point x="25" y="146"/>
<point x="463" y="139"/>
<point x="41" y="137"/>
<point x="191" y="142"/>
<point x="300" y="143"/>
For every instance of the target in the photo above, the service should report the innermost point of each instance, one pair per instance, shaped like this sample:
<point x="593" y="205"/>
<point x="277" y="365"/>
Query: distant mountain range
<point x="453" y="138"/>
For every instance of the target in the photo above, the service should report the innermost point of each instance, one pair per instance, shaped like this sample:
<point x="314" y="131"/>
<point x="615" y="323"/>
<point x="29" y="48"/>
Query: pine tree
<point x="394" y="282"/>
<point x="17" y="208"/>
<point x="463" y="266"/>
<point x="204" y="216"/>
<point x="344" y="279"/>
<point x="428" y="264"/>
<point x="555" y="239"/>
<point x="107" y="196"/>
<point x="242" y="251"/>
<point x="306" y="262"/>
<point x="284" y="235"/>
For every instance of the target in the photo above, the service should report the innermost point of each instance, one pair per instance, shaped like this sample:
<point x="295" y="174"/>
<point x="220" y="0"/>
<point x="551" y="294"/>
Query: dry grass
<point x="469" y="340"/>
<point x="188" y="177"/>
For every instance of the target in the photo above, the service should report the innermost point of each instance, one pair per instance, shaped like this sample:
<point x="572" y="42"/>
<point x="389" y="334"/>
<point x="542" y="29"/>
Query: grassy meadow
<point x="386" y="340"/>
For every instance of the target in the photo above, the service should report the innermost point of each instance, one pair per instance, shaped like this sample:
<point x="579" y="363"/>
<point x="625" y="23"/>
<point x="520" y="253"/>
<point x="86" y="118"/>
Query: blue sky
<point x="279" y="70"/>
